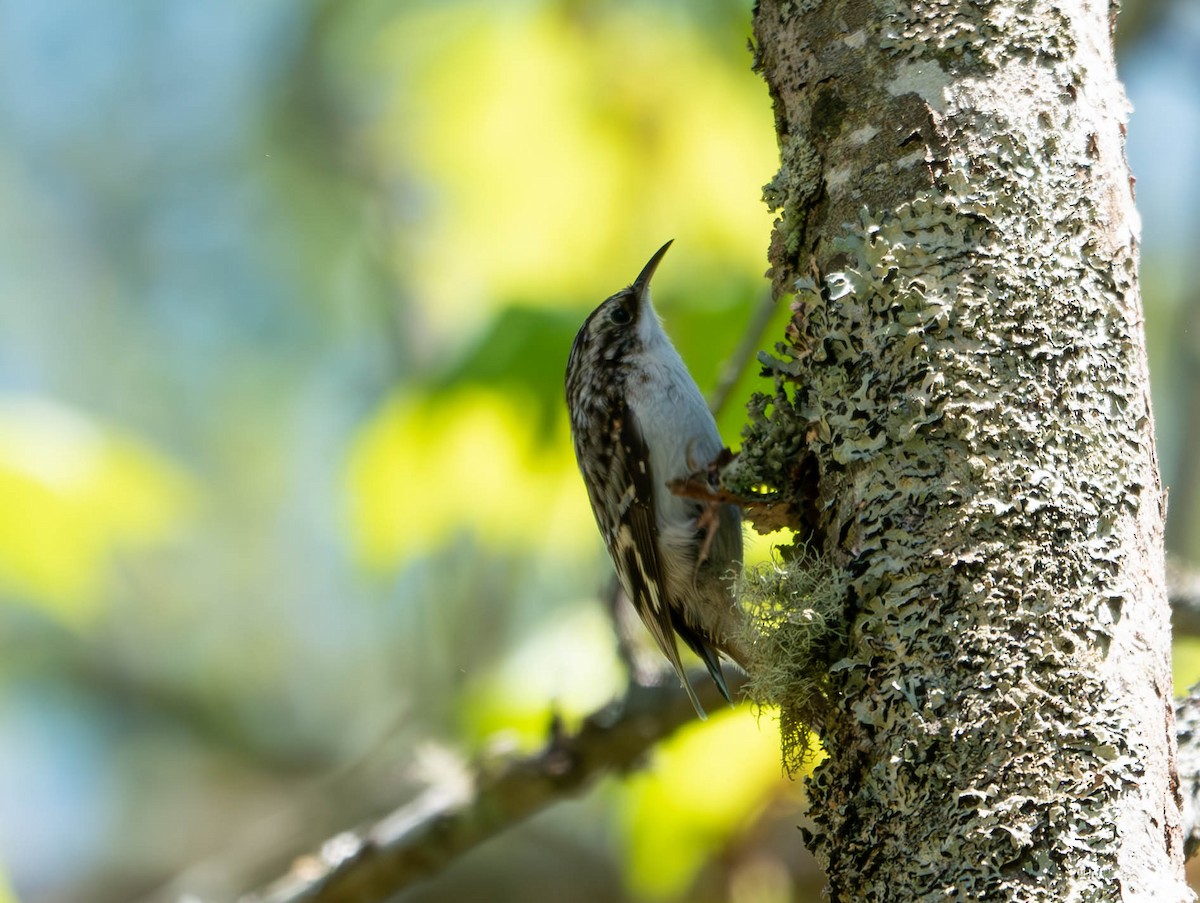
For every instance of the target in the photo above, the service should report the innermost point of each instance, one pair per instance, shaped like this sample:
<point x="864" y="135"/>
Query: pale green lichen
<point x="903" y="388"/>
<point x="986" y="34"/>
<point x="795" y="186"/>
<point x="962" y="376"/>
<point x="960" y="405"/>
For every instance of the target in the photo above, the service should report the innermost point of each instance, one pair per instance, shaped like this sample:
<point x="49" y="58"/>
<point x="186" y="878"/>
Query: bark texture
<point x="963" y="417"/>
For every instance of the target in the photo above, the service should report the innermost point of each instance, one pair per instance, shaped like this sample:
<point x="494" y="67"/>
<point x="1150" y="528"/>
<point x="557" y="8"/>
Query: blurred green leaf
<point x="7" y="895"/>
<point x="523" y="351"/>
<point x="704" y="786"/>
<point x="422" y="469"/>
<point x="567" y="668"/>
<point x="75" y="494"/>
<point x="1185" y="663"/>
<point x="561" y="150"/>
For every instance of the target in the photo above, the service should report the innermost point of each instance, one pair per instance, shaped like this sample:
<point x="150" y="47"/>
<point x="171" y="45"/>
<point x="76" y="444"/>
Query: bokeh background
<point x="289" y="522"/>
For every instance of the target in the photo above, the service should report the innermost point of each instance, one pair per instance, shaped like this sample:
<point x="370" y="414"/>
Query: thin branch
<point x="420" y="839"/>
<point x="746" y="351"/>
<point x="642" y="664"/>
<point x="423" y="837"/>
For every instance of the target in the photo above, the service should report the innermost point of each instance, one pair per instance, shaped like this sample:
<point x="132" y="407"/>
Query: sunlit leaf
<point x="422" y="470"/>
<point x="1185" y="663"/>
<point x="7" y="895"/>
<point x="703" y="785"/>
<point x="559" y="150"/>
<point x="524" y="350"/>
<point x="567" y="668"/>
<point x="75" y="493"/>
<point x="759" y="549"/>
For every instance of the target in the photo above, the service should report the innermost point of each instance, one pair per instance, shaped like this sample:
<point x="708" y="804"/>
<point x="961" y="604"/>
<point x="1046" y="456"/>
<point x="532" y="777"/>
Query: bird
<point x="639" y="421"/>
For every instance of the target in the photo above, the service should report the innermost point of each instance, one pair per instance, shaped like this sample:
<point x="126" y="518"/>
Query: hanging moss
<point x="795" y="631"/>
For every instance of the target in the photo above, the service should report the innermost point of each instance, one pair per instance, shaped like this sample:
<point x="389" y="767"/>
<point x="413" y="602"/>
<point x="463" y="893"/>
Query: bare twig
<point x="418" y="840"/>
<point x="642" y="664"/>
<point x="745" y="352"/>
<point x="427" y="835"/>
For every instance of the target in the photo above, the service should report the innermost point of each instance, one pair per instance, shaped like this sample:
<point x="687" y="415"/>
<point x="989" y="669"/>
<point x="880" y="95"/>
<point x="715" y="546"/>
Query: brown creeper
<point x="638" y="421"/>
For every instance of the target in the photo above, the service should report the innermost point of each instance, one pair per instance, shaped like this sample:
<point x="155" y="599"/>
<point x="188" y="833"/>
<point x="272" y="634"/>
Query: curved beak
<point x="641" y="285"/>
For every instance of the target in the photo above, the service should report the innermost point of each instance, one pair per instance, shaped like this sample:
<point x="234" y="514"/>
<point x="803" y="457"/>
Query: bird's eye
<point x="620" y="316"/>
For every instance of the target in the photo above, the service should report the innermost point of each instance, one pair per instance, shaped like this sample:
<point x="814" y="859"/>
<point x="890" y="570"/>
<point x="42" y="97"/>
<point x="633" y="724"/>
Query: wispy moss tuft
<point x="795" y="628"/>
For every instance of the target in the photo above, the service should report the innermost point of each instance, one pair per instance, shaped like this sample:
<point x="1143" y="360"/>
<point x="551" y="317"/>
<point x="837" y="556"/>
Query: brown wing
<point x="633" y="546"/>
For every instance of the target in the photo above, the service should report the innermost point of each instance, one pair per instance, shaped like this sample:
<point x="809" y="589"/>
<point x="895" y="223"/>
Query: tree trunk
<point x="964" y="402"/>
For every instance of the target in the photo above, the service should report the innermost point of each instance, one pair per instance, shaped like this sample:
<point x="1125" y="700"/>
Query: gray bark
<point x="963" y="420"/>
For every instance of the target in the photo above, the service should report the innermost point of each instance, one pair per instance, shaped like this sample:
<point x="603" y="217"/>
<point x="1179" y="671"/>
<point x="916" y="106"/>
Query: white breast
<point x="676" y="424"/>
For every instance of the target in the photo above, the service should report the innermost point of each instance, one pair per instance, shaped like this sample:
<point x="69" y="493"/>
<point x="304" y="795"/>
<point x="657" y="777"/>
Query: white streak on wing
<point x="621" y="543"/>
<point x="626" y="499"/>
<point x="652" y="588"/>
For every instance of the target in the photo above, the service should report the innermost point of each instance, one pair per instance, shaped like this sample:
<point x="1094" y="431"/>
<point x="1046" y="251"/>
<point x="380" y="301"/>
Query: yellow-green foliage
<point x="795" y="628"/>
<point x="671" y="830"/>
<point x="77" y="493"/>
<point x="420" y="469"/>
<point x="552" y="143"/>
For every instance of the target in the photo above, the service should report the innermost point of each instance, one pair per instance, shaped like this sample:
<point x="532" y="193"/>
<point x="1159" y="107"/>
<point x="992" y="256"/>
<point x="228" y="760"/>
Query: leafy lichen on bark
<point x="965" y="367"/>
